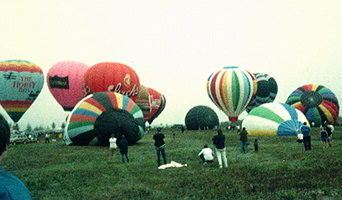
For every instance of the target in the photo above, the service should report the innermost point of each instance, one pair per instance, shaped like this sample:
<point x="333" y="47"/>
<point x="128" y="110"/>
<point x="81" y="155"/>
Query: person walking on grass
<point x="159" y="145"/>
<point x="123" y="146"/>
<point x="10" y="186"/>
<point x="206" y="155"/>
<point x="112" y="147"/>
<point x="306" y="136"/>
<point x="219" y="142"/>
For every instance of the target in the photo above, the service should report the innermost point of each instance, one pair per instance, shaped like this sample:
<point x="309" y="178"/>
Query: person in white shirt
<point x="207" y="155"/>
<point x="112" y="147"/>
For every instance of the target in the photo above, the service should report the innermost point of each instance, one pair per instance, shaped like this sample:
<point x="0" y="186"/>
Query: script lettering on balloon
<point x="118" y="89"/>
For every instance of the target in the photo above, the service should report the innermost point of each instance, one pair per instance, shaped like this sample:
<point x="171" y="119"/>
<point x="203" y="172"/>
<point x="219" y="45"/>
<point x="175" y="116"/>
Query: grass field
<point x="280" y="170"/>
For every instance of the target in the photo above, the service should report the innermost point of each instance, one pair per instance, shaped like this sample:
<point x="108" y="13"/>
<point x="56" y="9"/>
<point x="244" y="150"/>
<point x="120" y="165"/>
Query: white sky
<point x="175" y="45"/>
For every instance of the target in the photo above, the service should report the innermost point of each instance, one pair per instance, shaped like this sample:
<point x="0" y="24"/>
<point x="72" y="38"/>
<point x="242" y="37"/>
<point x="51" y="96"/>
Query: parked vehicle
<point x="18" y="139"/>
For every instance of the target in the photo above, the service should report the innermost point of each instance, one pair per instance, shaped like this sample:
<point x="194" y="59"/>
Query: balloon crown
<point x="230" y="67"/>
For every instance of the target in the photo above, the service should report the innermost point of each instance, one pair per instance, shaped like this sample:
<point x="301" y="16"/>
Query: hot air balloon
<point x="143" y="101"/>
<point x="318" y="103"/>
<point x="201" y="117"/>
<point x="157" y="102"/>
<point x="231" y="89"/>
<point x="65" y="82"/>
<point x="21" y="82"/>
<point x="96" y="117"/>
<point x="267" y="89"/>
<point x="274" y="119"/>
<point x="112" y="77"/>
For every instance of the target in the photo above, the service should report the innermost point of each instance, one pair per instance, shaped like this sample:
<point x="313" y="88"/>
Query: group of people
<point x="326" y="135"/>
<point x="159" y="144"/>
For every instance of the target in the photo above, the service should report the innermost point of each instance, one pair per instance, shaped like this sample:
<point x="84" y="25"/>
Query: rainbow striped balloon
<point x="81" y="126"/>
<point x="231" y="89"/>
<point x="318" y="103"/>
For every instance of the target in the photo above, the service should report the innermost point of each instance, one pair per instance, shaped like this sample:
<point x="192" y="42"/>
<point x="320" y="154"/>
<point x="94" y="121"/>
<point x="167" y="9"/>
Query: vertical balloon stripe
<point x="235" y="87"/>
<point x="326" y="112"/>
<point x="220" y="86"/>
<point x="130" y="106"/>
<point x="291" y="111"/>
<point x="119" y="100"/>
<point x="125" y="102"/>
<point x="103" y="99"/>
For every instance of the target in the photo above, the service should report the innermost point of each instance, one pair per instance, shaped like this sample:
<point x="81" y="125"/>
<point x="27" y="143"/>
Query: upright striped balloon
<point x="318" y="103"/>
<point x="231" y="89"/>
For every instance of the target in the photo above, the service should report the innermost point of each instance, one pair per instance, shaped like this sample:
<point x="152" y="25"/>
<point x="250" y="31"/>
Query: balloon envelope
<point x="201" y="117"/>
<point x="65" y="82"/>
<point x="96" y="117"/>
<point x="318" y="103"/>
<point x="267" y="90"/>
<point x="158" y="103"/>
<point x="274" y="119"/>
<point x="231" y="89"/>
<point x="112" y="77"/>
<point x="143" y="101"/>
<point x="21" y="83"/>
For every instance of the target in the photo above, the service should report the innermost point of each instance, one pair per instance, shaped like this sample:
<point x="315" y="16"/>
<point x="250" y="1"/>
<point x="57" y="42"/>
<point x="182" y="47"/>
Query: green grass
<point x="280" y="170"/>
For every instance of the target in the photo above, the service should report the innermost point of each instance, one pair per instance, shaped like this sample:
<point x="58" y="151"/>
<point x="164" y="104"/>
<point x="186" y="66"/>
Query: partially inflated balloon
<point x="201" y="117"/>
<point x="267" y="89"/>
<point x="65" y="82"/>
<point x="112" y="77"/>
<point x="274" y="119"/>
<point x="231" y="89"/>
<point x="157" y="102"/>
<point x="21" y="82"/>
<point x="318" y="103"/>
<point x="143" y="101"/>
<point x="96" y="117"/>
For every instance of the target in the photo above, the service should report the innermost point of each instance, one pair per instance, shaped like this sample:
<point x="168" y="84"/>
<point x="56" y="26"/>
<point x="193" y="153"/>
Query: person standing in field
<point x="324" y="137"/>
<point x="10" y="186"/>
<point x="256" y="145"/>
<point x="123" y="146"/>
<point x="47" y="138"/>
<point x="330" y="129"/>
<point x="219" y="142"/>
<point x="159" y="145"/>
<point x="244" y="140"/>
<point x="112" y="147"/>
<point x="306" y="136"/>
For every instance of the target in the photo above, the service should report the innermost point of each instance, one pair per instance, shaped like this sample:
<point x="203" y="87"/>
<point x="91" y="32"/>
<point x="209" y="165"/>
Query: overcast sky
<point x="175" y="45"/>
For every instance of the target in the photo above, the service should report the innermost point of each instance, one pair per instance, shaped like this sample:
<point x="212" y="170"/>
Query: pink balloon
<point x="65" y="82"/>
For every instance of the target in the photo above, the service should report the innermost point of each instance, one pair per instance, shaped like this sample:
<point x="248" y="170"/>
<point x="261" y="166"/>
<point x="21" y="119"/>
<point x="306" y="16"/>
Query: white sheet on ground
<point x="172" y="164"/>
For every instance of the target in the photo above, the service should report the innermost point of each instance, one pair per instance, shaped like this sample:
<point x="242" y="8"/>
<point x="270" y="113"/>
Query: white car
<point x="18" y="138"/>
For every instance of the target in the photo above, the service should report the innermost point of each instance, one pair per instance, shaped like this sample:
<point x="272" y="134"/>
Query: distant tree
<point x="28" y="128"/>
<point x="63" y="125"/>
<point x="53" y="125"/>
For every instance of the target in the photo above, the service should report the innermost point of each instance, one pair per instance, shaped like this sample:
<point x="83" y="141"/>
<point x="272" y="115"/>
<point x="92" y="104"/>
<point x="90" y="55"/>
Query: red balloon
<point x="112" y="77"/>
<point x="157" y="103"/>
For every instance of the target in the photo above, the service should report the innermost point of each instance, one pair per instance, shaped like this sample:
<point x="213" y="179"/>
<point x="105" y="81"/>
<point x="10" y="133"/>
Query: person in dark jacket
<point x="218" y="141"/>
<point x="159" y="145"/>
<point x="123" y="146"/>
<point x="244" y="140"/>
<point x="10" y="186"/>
<point x="306" y="136"/>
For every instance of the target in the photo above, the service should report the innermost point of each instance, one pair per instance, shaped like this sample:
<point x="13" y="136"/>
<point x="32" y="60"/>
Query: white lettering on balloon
<point x="118" y="89"/>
